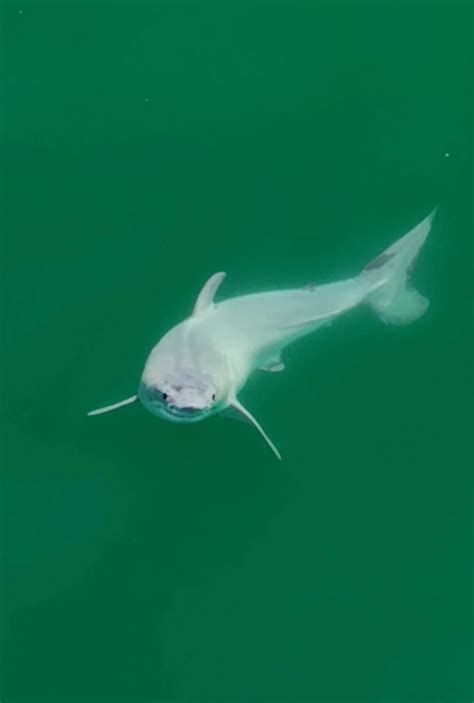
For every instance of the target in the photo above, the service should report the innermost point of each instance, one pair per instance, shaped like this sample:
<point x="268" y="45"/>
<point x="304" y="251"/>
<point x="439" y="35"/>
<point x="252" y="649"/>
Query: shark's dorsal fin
<point x="206" y="297"/>
<point x="235" y="405"/>
<point x="108" y="408"/>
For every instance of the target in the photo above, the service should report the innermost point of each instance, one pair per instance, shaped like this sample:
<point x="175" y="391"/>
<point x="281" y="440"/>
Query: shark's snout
<point x="187" y="399"/>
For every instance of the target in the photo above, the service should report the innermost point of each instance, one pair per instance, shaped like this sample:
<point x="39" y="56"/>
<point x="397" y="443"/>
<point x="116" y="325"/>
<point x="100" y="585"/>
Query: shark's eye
<point x="213" y="396"/>
<point x="164" y="396"/>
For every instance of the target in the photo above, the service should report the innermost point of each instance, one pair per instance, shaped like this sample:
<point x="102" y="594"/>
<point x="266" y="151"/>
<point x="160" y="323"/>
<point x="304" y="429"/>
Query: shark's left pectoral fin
<point x="108" y="408"/>
<point x="239" y="409"/>
<point x="206" y="297"/>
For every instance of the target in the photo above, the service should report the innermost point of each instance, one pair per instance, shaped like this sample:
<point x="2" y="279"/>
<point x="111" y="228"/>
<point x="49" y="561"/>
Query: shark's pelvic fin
<point x="108" y="408"/>
<point x="235" y="405"/>
<point x="275" y="364"/>
<point x="206" y="297"/>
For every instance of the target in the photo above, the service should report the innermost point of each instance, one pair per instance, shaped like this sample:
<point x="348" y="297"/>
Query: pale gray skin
<point x="199" y="366"/>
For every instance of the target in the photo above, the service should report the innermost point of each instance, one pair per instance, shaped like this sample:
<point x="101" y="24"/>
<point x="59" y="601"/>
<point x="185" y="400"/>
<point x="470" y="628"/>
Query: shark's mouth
<point x="187" y="412"/>
<point x="180" y="405"/>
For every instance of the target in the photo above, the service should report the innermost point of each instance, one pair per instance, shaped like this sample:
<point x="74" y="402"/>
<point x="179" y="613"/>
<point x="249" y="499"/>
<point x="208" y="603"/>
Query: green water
<point x="147" y="146"/>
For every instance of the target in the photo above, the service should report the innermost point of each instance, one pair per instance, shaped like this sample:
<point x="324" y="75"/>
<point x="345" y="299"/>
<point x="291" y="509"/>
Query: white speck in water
<point x="447" y="154"/>
<point x="20" y="12"/>
<point x="147" y="100"/>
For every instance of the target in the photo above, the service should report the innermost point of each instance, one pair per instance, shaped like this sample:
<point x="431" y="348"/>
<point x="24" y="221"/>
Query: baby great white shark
<point x="199" y="366"/>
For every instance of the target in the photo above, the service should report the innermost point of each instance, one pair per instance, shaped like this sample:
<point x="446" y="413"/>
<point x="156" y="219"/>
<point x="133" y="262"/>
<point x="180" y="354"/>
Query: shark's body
<point x="199" y="366"/>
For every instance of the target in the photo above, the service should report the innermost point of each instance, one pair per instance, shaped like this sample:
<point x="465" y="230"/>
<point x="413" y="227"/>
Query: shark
<point x="198" y="367"/>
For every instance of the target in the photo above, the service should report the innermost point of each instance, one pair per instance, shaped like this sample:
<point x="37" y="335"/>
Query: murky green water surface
<point x="149" y="145"/>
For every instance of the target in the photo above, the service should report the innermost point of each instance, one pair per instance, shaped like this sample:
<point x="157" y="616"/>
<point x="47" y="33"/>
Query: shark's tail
<point x="393" y="299"/>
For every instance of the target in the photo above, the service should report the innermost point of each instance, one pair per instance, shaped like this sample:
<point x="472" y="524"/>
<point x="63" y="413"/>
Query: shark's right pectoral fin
<point x="108" y="408"/>
<point x="239" y="409"/>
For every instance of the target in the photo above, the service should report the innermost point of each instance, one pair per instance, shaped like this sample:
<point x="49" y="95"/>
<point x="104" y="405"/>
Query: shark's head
<point x="183" y="397"/>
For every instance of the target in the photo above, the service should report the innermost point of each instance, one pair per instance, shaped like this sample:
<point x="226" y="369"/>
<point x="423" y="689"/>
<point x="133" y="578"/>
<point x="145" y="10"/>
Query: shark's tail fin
<point x="393" y="299"/>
